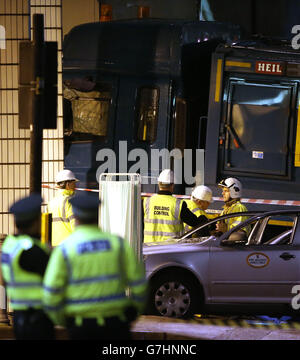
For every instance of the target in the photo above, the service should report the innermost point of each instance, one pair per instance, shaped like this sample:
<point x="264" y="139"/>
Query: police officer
<point x="164" y="215"/>
<point x="23" y="264"/>
<point x="87" y="278"/>
<point x="63" y="222"/>
<point x="201" y="198"/>
<point x="232" y="193"/>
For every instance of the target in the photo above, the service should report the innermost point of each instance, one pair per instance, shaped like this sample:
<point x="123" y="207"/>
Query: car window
<point x="278" y="230"/>
<point x="282" y="239"/>
<point x="272" y="230"/>
<point x="240" y="237"/>
<point x="254" y="233"/>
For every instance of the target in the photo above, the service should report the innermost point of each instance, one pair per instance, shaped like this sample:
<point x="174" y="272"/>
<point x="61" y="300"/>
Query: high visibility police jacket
<point x="24" y="288"/>
<point x="88" y="274"/>
<point x="162" y="218"/>
<point x="63" y="221"/>
<point x="232" y="207"/>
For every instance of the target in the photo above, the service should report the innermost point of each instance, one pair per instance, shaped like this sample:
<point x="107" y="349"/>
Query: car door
<point x="256" y="273"/>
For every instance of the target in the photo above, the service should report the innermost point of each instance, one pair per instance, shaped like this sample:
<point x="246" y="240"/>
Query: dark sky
<point x="267" y="17"/>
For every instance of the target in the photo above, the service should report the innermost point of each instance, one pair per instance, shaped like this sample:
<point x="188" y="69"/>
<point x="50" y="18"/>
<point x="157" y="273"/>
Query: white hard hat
<point x="234" y="186"/>
<point x="202" y="192"/>
<point x="166" y="177"/>
<point x="65" y="175"/>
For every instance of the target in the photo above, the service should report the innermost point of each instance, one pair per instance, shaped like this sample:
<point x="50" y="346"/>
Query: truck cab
<point x="253" y="130"/>
<point x="134" y="90"/>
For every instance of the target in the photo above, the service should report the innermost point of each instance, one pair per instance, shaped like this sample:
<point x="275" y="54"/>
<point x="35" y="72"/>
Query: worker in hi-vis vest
<point x="23" y="264"/>
<point x="201" y="198"/>
<point x="232" y="193"/>
<point x="164" y="214"/>
<point x="63" y="222"/>
<point x="94" y="283"/>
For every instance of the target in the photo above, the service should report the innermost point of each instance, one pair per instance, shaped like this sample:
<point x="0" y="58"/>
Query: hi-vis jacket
<point x="162" y="218"/>
<point x="197" y="211"/>
<point x="232" y="207"/>
<point x="63" y="221"/>
<point x="24" y="288"/>
<point x="88" y="274"/>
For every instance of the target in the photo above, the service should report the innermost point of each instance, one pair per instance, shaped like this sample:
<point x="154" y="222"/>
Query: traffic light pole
<point x="36" y="128"/>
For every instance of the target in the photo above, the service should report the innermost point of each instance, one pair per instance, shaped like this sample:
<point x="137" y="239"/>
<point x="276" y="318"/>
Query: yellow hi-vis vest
<point x="88" y="274"/>
<point x="232" y="207"/>
<point x="162" y="218"/>
<point x="63" y="221"/>
<point x="194" y="208"/>
<point x="24" y="288"/>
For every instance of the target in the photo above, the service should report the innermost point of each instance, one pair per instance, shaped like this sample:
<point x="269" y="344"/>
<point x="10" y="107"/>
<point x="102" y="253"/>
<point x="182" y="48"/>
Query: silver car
<point x="214" y="274"/>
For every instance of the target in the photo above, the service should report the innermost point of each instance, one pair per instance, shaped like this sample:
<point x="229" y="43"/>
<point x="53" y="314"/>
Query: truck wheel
<point x="174" y="295"/>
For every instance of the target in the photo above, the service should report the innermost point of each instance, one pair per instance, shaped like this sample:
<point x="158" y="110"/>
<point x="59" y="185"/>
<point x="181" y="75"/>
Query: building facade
<point x="16" y="21"/>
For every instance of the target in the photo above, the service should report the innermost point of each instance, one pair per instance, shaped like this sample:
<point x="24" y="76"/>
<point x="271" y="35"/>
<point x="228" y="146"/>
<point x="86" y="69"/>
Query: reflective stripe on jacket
<point x="162" y="218"/>
<point x="63" y="221"/>
<point x="232" y="207"/>
<point x="88" y="274"/>
<point x="24" y="288"/>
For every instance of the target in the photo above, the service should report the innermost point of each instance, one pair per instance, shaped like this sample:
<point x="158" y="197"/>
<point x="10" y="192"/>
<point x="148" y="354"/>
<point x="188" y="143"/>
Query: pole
<point x="3" y="311"/>
<point x="36" y="128"/>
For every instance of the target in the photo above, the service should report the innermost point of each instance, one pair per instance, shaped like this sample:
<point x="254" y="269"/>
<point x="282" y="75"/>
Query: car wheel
<point x="174" y="295"/>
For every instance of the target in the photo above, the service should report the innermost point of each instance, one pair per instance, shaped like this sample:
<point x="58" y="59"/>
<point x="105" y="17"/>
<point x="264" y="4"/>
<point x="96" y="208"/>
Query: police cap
<point x="27" y="209"/>
<point x="85" y="206"/>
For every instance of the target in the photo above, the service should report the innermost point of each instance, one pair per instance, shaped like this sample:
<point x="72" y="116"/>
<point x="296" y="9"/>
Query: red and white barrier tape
<point x="270" y="202"/>
<point x="244" y="200"/>
<point x="79" y="189"/>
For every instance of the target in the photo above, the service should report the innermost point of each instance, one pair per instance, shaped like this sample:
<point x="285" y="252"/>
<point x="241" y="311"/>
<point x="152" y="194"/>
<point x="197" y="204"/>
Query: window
<point x="254" y="109"/>
<point x="147" y="100"/>
<point x="272" y="230"/>
<point x="278" y="228"/>
<point x="90" y="110"/>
